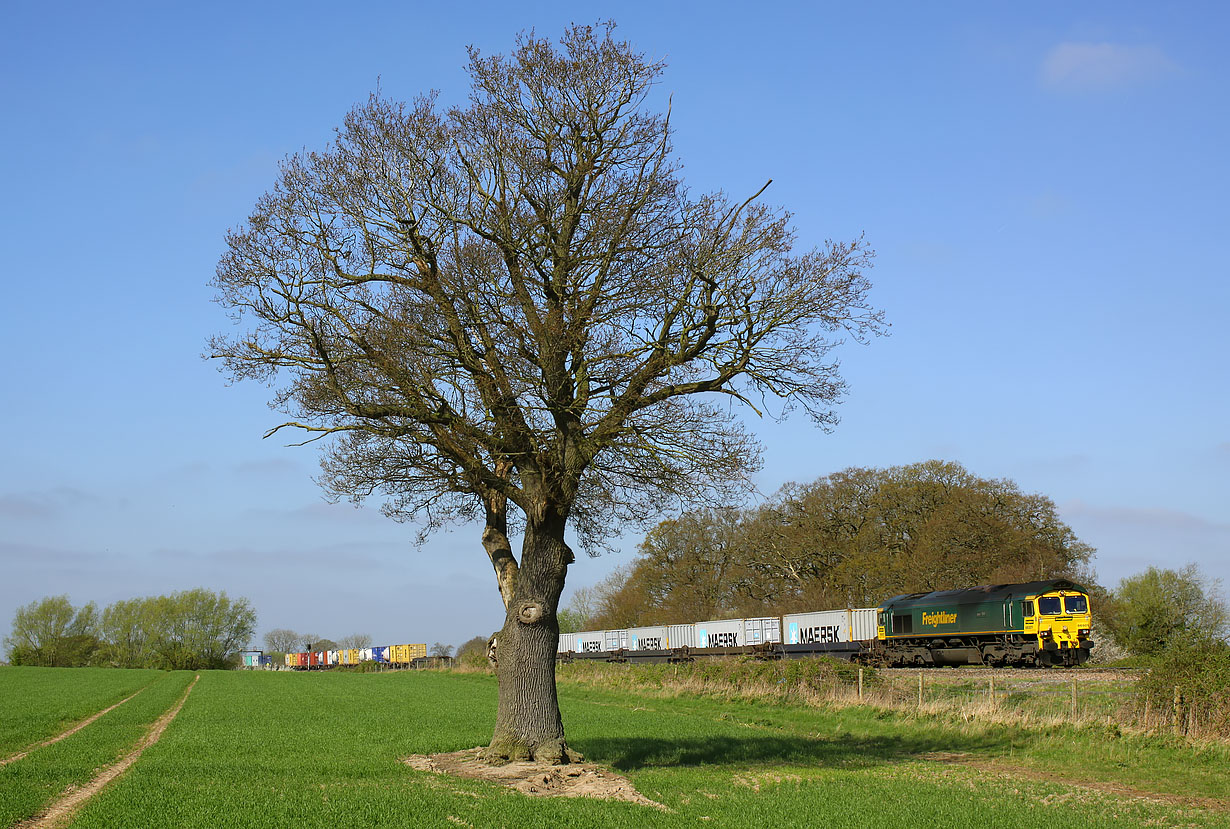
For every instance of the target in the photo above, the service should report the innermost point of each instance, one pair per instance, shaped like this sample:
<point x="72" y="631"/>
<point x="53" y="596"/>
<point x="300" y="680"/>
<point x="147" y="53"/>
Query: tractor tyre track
<point x="62" y="810"/>
<point x="1111" y="787"/>
<point x="70" y="732"/>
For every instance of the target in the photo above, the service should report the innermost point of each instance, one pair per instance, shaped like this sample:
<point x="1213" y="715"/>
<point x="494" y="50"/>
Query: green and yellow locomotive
<point x="1039" y="623"/>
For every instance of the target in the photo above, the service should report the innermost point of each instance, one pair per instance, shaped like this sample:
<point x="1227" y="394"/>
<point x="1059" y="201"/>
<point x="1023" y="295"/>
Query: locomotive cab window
<point x="1028" y="609"/>
<point x="1075" y="604"/>
<point x="1050" y="605"/>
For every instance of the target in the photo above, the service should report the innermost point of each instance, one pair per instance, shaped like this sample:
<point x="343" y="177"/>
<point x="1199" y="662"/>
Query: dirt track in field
<point x="62" y="810"/>
<point x="70" y="732"/>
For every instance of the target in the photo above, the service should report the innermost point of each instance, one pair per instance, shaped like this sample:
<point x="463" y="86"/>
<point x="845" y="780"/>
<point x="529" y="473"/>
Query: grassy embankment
<point x="28" y="784"/>
<point x="1038" y="698"/>
<point x="256" y="749"/>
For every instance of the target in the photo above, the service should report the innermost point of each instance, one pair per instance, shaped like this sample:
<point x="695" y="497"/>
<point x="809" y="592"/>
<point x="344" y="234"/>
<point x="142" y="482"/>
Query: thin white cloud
<point x="50" y="503"/>
<point x="1129" y="539"/>
<point x="268" y="468"/>
<point x="1093" y="67"/>
<point x="1151" y="517"/>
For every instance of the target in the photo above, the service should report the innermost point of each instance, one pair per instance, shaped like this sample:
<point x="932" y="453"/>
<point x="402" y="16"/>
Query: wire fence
<point x="1111" y="698"/>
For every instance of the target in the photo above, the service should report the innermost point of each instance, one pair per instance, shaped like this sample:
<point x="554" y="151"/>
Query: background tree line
<point x="191" y="629"/>
<point x="850" y="539"/>
<point x="281" y="641"/>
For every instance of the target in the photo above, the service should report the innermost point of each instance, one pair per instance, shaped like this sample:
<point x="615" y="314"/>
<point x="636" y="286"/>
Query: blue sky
<point x="1046" y="191"/>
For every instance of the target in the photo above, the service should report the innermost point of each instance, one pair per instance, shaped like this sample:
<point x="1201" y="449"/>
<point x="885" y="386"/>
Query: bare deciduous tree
<point x="514" y="311"/>
<point x="355" y="640"/>
<point x="284" y="640"/>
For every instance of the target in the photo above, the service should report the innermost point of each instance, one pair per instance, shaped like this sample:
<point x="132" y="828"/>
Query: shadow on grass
<point x="630" y="753"/>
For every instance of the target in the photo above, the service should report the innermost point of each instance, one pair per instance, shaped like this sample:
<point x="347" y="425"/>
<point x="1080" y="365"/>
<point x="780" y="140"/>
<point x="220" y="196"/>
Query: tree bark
<point x="528" y="725"/>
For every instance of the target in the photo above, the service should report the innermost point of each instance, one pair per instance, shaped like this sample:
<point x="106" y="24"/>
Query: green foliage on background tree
<point x="571" y="621"/>
<point x="191" y="629"/>
<point x="50" y="632"/>
<point x="473" y="652"/>
<point x="1154" y="611"/>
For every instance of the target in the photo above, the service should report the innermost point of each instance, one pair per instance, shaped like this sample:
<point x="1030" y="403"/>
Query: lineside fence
<point x="1105" y="697"/>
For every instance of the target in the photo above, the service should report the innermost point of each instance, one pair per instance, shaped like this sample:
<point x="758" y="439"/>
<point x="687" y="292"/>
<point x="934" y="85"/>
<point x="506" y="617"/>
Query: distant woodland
<point x="188" y="630"/>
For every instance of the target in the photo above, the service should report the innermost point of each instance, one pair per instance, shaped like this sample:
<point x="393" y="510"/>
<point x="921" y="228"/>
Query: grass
<point x="28" y="784"/>
<point x="39" y="703"/>
<point x="1038" y="698"/>
<point x="281" y="749"/>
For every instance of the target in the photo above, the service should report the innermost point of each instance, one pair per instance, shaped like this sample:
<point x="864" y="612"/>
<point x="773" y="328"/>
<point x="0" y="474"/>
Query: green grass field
<point x="38" y="703"/>
<point x="306" y="750"/>
<point x="28" y="784"/>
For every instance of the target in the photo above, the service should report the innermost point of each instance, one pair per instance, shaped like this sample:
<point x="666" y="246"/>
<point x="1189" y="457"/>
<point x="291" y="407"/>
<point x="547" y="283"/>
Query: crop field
<point x="29" y="783"/>
<point x="42" y="702"/>
<point x="326" y="749"/>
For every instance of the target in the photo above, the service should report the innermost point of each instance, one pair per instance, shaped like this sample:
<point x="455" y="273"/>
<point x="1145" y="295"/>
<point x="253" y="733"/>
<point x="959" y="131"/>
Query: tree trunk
<point x="528" y="725"/>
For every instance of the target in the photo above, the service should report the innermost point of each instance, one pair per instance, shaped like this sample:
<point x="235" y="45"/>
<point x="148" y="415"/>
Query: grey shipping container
<point x="762" y="629"/>
<point x="681" y="636"/>
<point x="654" y="638"/>
<point x="613" y="640"/>
<point x="720" y="633"/>
<point x="588" y="641"/>
<point x="851" y="625"/>
<point x="734" y="633"/>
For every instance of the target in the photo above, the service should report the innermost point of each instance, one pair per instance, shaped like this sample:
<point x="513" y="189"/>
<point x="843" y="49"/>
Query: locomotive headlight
<point x="1083" y="632"/>
<point x="1046" y="634"/>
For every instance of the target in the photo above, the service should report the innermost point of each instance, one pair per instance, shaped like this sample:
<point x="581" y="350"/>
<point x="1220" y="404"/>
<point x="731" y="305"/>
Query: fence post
<point x="860" y="684"/>
<point x="1178" y="711"/>
<point x="1073" y="697"/>
<point x="992" y="689"/>
<point x="1148" y="705"/>
<point x="920" y="690"/>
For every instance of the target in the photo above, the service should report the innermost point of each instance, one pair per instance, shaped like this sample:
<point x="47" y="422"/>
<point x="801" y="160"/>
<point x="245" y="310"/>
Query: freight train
<point x="1034" y="624"/>
<point x="395" y="656"/>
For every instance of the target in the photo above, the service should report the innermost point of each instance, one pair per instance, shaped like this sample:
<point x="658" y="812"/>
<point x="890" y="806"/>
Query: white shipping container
<point x="365" y="654"/>
<point x="613" y="640"/>
<point x="653" y="638"/>
<point x="720" y="633"/>
<point x="763" y="629"/>
<point x="863" y="623"/>
<point x="681" y="636"/>
<point x="735" y="633"/>
<point x="588" y="641"/>
<point x="851" y="625"/>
